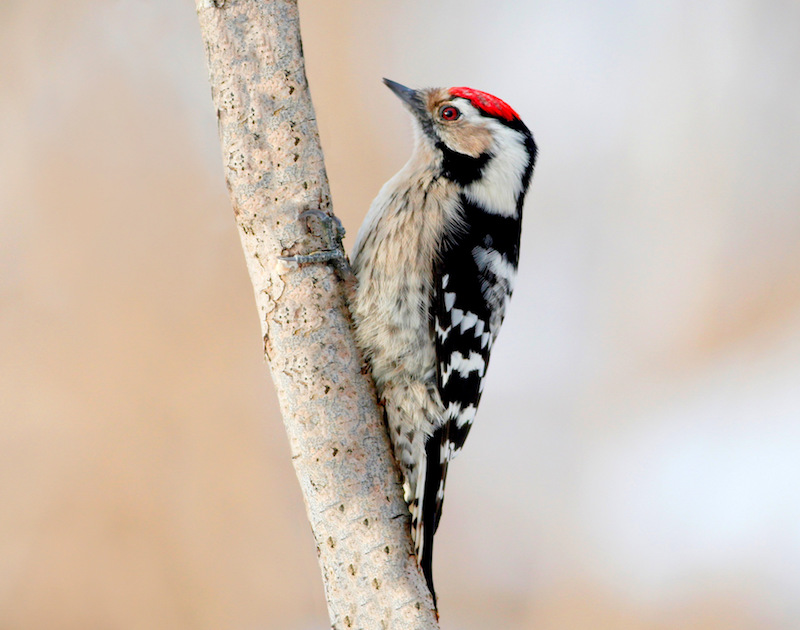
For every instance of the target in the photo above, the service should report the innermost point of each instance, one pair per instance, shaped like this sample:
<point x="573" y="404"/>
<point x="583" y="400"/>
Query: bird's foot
<point x="333" y="233"/>
<point x="319" y="256"/>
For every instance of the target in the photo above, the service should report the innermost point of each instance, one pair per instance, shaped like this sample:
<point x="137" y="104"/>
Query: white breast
<point x="393" y="261"/>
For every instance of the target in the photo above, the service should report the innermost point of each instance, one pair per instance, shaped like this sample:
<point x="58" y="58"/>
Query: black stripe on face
<point x="460" y="168"/>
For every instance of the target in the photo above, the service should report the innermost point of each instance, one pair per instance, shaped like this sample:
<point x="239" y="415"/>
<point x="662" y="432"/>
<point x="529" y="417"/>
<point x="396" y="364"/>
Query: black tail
<point x="432" y="498"/>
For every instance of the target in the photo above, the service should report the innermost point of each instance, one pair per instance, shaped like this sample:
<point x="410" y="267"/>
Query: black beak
<point x="410" y="97"/>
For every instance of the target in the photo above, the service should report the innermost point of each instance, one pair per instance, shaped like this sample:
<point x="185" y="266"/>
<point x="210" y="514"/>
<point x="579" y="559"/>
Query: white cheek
<point x="501" y="183"/>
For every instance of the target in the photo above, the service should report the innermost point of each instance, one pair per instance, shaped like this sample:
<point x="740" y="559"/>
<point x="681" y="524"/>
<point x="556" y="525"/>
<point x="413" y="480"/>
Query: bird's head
<point x="478" y="139"/>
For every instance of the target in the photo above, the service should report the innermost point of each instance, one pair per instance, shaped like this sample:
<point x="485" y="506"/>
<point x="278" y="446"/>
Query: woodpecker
<point x="435" y="261"/>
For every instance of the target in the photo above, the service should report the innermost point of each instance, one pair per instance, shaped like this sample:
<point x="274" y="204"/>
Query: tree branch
<point x="274" y="170"/>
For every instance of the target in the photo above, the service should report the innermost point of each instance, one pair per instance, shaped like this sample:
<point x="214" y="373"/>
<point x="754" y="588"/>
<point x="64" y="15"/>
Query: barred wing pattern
<point x="473" y="282"/>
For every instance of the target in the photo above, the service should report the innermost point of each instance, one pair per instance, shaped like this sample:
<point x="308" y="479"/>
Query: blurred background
<point x="635" y="464"/>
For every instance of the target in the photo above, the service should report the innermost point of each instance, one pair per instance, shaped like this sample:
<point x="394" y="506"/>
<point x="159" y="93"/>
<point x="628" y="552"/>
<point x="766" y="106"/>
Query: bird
<point x="435" y="261"/>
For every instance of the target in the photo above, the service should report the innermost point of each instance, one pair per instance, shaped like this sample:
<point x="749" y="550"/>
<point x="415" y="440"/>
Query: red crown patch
<point x="486" y="103"/>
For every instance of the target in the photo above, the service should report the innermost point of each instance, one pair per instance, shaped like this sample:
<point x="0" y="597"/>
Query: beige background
<point x="635" y="460"/>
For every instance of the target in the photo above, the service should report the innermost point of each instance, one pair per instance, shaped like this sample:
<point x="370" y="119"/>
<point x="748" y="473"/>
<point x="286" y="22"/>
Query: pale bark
<point x="274" y="170"/>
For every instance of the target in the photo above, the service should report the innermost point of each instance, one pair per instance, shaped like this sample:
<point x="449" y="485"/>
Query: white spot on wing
<point x="447" y="452"/>
<point x="446" y="372"/>
<point x="464" y="365"/>
<point x="467" y="416"/>
<point x="470" y="319"/>
<point x="449" y="300"/>
<point x="496" y="263"/>
<point x="453" y="410"/>
<point x="457" y="315"/>
<point x="445" y="280"/>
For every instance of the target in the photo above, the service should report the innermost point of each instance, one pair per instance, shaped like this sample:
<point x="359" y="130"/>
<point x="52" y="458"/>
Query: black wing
<point x="473" y="281"/>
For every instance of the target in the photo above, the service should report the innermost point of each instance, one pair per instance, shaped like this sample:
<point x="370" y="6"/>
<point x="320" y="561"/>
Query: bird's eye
<point x="450" y="113"/>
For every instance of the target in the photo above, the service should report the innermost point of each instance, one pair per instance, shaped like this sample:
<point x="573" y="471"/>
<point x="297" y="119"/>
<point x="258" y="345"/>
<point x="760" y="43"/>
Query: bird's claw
<point x="331" y="222"/>
<point x="333" y="233"/>
<point x="319" y="256"/>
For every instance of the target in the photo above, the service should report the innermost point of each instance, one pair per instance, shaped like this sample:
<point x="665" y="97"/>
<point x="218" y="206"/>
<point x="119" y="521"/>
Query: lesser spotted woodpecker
<point x="435" y="260"/>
